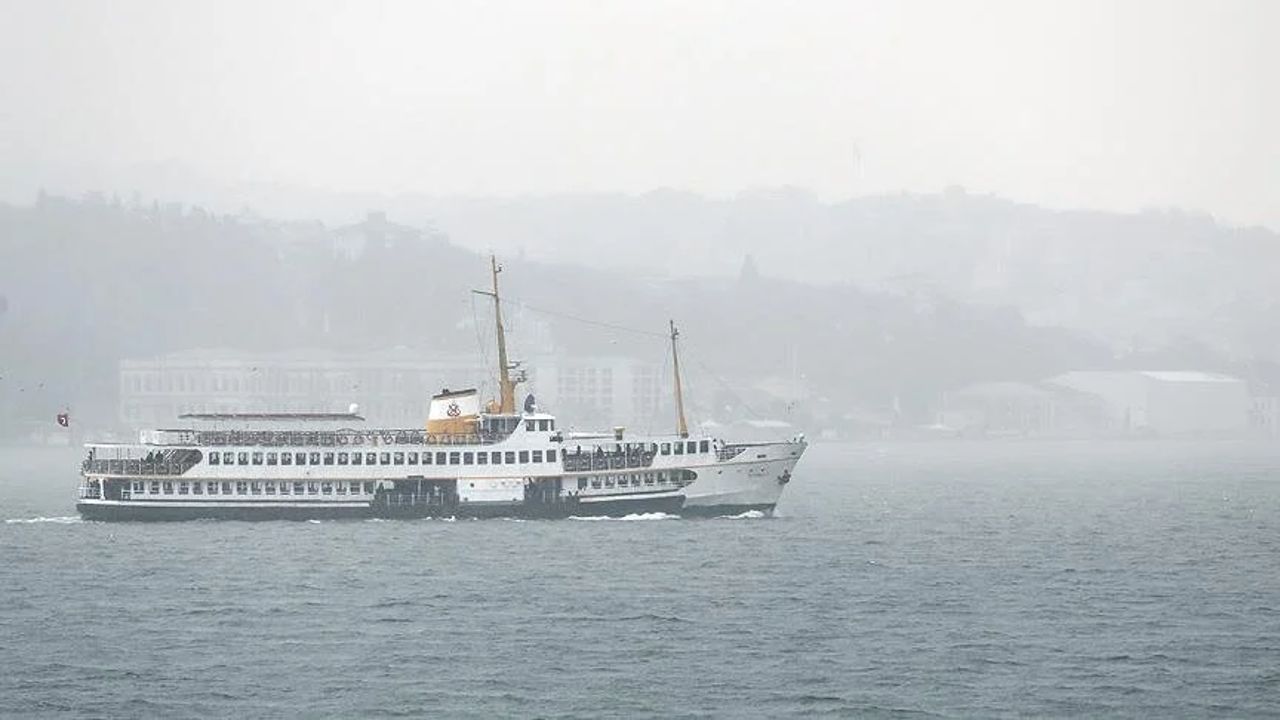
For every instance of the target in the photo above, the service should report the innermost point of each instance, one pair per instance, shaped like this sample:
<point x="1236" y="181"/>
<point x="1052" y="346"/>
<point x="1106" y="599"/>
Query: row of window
<point x="244" y="487"/>
<point x="494" y="457"/>
<point x="634" y="480"/>
<point x="689" y="446"/>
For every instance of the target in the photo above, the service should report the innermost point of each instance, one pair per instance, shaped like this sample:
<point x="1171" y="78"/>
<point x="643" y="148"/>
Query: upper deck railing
<point x="317" y="438"/>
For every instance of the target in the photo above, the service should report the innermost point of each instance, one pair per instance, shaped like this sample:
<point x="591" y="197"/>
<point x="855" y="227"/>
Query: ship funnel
<point x="454" y="412"/>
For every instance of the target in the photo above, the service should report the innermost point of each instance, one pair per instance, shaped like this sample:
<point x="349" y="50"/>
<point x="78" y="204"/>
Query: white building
<point x="602" y="391"/>
<point x="1177" y="402"/>
<point x="393" y="388"/>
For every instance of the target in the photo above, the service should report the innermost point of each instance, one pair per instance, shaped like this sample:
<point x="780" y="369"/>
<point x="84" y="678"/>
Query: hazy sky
<point x="1118" y="105"/>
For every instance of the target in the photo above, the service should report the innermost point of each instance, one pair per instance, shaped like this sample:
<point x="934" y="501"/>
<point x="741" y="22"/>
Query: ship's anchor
<point x="785" y="477"/>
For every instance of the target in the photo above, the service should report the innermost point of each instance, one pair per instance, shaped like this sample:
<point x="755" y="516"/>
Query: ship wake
<point x="634" y="516"/>
<point x="748" y="515"/>
<point x="61" y="520"/>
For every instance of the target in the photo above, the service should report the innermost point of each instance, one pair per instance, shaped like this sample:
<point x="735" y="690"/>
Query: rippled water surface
<point x="899" y="580"/>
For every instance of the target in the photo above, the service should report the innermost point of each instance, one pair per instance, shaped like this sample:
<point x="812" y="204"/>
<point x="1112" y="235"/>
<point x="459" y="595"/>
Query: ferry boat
<point x="468" y="461"/>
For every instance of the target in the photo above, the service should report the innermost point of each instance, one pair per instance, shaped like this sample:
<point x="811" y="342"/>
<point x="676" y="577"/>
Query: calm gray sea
<point x="929" y="580"/>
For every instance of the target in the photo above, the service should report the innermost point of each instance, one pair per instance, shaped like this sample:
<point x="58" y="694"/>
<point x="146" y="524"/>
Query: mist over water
<point x="1008" y="268"/>
<point x="929" y="579"/>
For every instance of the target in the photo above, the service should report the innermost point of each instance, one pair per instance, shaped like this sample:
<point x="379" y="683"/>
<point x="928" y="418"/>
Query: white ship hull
<point x="755" y="483"/>
<point x="590" y="477"/>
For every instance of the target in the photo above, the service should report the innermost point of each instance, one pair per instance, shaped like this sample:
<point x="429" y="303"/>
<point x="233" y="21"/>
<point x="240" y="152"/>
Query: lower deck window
<point x="197" y="488"/>
<point x="271" y="488"/>
<point x="242" y="488"/>
<point x="271" y="458"/>
<point x="155" y="488"/>
<point x="213" y="488"/>
<point x="582" y="483"/>
<point x="298" y="488"/>
<point x="327" y="488"/>
<point x="214" y="458"/>
<point x="537" y="456"/>
<point x="286" y="458"/>
<point x="168" y="488"/>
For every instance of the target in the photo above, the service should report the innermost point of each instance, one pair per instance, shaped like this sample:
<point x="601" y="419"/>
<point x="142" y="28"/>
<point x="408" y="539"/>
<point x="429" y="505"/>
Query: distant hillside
<point x="90" y="281"/>
<point x="1137" y="281"/>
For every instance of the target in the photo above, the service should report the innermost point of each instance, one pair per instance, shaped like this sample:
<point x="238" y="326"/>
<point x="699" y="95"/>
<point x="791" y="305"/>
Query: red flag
<point x="64" y="419"/>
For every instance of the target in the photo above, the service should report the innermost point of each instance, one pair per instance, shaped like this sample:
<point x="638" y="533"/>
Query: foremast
<point x="681" y="426"/>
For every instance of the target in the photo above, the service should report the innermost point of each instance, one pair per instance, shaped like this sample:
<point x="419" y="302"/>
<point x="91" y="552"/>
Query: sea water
<point x="914" y="580"/>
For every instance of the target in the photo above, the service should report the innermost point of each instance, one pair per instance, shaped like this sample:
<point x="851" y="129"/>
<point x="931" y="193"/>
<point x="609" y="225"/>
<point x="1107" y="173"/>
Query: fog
<point x="885" y="219"/>
<point x="1102" y="105"/>
<point x="907" y="357"/>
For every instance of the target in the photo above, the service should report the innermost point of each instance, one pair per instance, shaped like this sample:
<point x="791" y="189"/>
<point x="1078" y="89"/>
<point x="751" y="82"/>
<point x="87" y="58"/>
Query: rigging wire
<point x="732" y="393"/>
<point x="515" y="304"/>
<point x="480" y="344"/>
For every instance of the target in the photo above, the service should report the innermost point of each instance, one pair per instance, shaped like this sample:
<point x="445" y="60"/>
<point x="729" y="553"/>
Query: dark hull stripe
<point x="126" y="512"/>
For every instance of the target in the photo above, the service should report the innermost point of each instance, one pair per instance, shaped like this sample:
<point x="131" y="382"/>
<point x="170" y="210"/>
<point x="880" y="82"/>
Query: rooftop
<point x="1188" y="376"/>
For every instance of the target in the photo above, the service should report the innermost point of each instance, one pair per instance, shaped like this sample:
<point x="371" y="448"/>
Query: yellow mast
<point x="681" y="427"/>
<point x="506" y="388"/>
